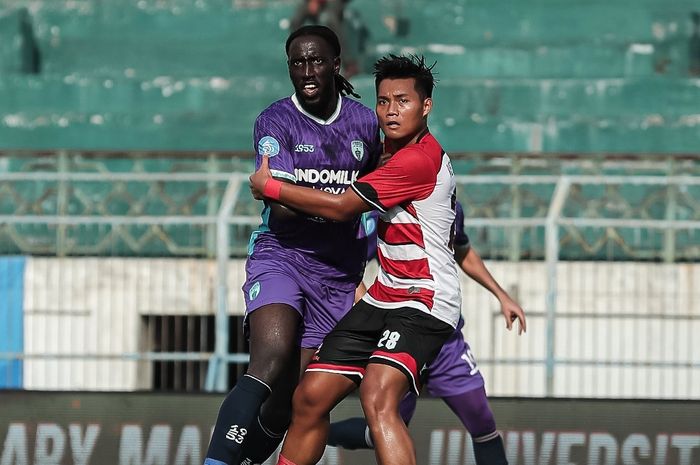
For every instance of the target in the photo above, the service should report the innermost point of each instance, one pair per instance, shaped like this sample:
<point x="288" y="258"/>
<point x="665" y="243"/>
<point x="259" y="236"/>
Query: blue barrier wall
<point x="11" y="319"/>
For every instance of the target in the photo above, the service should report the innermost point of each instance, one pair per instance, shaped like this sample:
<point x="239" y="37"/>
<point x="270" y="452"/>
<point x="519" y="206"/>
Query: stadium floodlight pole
<point x="217" y="371"/>
<point x="551" y="235"/>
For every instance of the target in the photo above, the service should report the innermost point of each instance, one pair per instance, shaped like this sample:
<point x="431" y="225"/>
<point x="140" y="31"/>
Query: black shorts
<point x="405" y="338"/>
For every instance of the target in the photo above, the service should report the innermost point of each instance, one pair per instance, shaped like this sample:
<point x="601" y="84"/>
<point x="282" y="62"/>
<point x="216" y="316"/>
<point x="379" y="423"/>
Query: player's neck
<point x="322" y="110"/>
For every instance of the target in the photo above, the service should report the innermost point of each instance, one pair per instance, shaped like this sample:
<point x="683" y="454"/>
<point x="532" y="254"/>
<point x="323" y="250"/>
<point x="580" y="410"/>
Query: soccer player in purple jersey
<point x="301" y="271"/>
<point x="453" y="375"/>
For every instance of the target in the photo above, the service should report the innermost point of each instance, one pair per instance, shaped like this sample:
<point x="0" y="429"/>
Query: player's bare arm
<point x="471" y="263"/>
<point x="281" y="211"/>
<point x="342" y="207"/>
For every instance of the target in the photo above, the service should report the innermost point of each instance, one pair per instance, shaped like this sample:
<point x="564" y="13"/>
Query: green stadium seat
<point x="545" y="75"/>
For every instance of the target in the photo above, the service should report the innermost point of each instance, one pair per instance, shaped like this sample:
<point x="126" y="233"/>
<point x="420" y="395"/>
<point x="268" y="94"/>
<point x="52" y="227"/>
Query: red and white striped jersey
<point x="415" y="193"/>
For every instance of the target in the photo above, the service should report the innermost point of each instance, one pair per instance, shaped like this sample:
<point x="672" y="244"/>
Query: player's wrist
<point x="272" y="189"/>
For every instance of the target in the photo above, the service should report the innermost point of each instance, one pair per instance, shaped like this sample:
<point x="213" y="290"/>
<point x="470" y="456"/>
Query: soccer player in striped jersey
<point x="301" y="271"/>
<point x="413" y="306"/>
<point x="454" y="375"/>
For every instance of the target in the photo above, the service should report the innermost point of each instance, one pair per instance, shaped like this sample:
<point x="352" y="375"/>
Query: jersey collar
<point x="331" y="119"/>
<point x="423" y="133"/>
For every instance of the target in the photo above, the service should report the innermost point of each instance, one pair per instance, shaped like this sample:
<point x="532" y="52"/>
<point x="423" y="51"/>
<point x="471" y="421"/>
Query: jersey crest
<point x="358" y="149"/>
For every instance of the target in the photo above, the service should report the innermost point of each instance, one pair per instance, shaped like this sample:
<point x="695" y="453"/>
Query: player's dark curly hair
<point x="326" y="33"/>
<point x="400" y="67"/>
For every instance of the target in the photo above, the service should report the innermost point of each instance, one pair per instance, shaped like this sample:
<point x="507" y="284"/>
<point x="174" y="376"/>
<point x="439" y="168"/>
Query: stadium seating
<point x="545" y="75"/>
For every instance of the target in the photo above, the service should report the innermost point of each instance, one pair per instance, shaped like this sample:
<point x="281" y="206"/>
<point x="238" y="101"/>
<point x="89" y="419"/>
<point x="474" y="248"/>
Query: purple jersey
<point x="461" y="238"/>
<point x="368" y="229"/>
<point x="326" y="155"/>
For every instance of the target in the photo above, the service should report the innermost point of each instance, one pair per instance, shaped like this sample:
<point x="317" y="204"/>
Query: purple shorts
<point x="278" y="282"/>
<point x="454" y="370"/>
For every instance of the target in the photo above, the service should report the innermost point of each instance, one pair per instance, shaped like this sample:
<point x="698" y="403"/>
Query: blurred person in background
<point x="694" y="46"/>
<point x="453" y="375"/>
<point x="330" y="13"/>
<point x="301" y="271"/>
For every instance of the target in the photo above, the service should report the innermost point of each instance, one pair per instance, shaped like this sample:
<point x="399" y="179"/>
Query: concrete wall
<point x="621" y="329"/>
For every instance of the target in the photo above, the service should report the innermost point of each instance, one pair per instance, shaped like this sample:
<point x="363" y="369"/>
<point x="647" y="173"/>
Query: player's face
<point x="312" y="69"/>
<point x="401" y="111"/>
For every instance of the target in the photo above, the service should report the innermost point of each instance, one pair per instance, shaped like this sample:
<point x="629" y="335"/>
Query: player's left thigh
<point x="319" y="392"/>
<point x="382" y="389"/>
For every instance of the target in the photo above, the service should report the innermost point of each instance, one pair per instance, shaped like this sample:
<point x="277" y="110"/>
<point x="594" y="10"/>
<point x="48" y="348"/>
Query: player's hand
<point x="511" y="312"/>
<point x="259" y="178"/>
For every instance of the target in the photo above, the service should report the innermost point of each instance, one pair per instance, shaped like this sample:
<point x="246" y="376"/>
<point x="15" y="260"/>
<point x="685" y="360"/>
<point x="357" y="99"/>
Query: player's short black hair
<point x="401" y="67"/>
<point x="316" y="30"/>
<point x="326" y="33"/>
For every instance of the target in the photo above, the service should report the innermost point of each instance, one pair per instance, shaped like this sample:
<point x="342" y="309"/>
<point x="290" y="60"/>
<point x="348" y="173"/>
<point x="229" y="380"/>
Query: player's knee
<point x="482" y="420"/>
<point x="272" y="362"/>
<point x="482" y="412"/>
<point x="306" y="401"/>
<point x="377" y="403"/>
<point x="477" y="406"/>
<point x="474" y="411"/>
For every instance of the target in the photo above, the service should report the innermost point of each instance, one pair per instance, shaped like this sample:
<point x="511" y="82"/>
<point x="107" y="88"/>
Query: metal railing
<point x="554" y="226"/>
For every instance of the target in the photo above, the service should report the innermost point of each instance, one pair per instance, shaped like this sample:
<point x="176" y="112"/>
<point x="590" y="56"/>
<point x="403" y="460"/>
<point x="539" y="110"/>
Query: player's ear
<point x="336" y="65"/>
<point x="427" y="106"/>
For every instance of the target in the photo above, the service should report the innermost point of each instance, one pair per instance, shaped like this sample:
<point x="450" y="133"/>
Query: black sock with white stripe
<point x="489" y="450"/>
